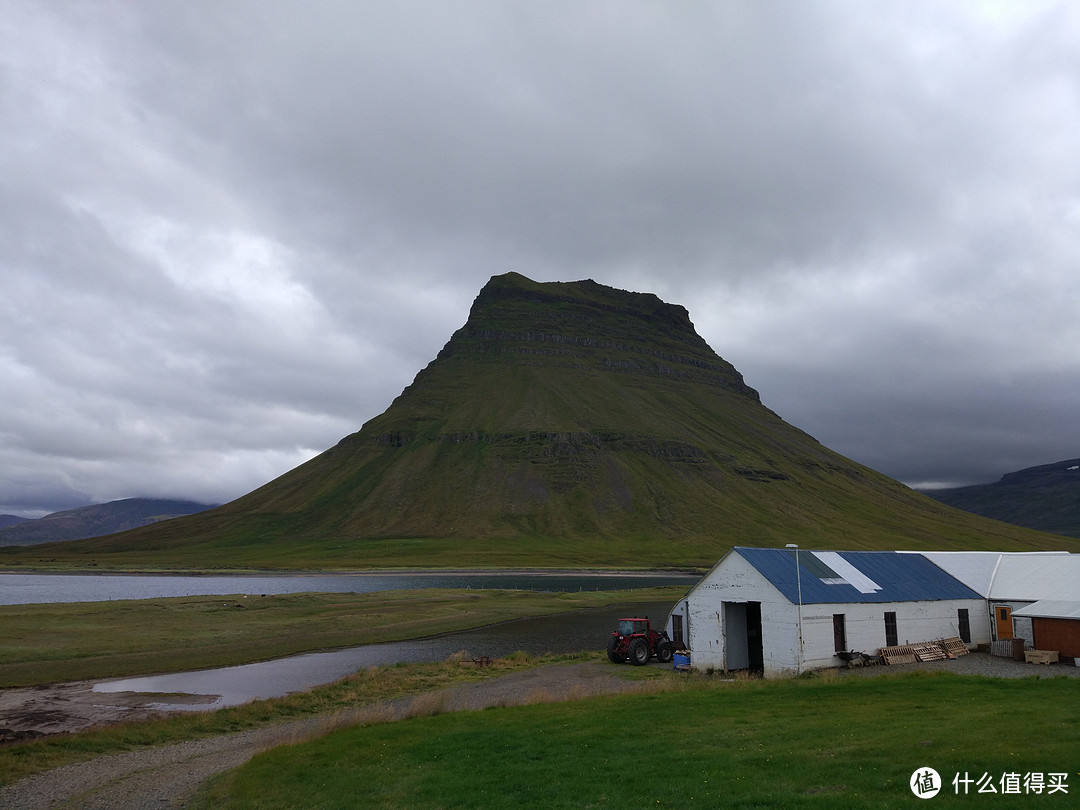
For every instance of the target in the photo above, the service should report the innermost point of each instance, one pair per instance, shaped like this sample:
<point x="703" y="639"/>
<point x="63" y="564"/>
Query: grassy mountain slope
<point x="1046" y="498"/>
<point x="566" y="424"/>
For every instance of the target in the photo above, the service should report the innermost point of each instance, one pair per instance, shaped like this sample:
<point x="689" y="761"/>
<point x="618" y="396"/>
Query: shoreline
<point x="382" y="572"/>
<point x="33" y="712"/>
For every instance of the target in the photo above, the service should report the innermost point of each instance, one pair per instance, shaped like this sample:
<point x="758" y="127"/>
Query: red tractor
<point x="636" y="641"/>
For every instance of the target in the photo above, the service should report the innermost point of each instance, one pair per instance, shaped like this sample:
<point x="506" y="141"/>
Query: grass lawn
<point x="64" y="642"/>
<point x="816" y="742"/>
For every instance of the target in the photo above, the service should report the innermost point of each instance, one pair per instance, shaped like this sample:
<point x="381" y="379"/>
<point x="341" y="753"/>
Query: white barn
<point x="785" y="611"/>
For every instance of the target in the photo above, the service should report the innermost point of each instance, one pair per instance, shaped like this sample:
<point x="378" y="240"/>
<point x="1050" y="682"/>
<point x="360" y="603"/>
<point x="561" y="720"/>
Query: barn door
<point x="1003" y="621"/>
<point x="736" y="646"/>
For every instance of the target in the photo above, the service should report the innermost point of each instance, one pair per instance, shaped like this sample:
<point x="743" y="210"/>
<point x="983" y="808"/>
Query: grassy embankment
<point x="63" y="642"/>
<point x="814" y="742"/>
<point x="334" y="703"/>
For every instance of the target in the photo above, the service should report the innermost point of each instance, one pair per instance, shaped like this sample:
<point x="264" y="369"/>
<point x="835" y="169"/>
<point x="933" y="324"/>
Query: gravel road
<point x="168" y="776"/>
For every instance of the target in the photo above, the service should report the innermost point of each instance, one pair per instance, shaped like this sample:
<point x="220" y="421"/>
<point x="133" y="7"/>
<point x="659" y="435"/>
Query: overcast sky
<point x="231" y="232"/>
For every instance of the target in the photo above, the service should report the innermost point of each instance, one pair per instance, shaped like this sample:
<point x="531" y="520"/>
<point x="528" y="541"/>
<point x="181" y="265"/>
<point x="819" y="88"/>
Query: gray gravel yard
<point x="977" y="663"/>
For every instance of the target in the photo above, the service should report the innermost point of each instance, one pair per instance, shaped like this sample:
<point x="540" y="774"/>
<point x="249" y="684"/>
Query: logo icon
<point x="925" y="783"/>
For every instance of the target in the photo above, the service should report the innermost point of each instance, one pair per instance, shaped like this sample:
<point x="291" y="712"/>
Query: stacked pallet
<point x="925" y="651"/>
<point x="929" y="651"/>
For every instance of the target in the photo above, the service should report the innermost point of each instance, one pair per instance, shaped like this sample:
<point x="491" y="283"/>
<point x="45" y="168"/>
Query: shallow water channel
<point x="230" y="686"/>
<point x="568" y="632"/>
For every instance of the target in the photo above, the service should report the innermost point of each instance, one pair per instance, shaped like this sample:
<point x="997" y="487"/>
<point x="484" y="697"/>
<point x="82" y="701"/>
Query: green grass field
<point x="816" y="742"/>
<point x="64" y="642"/>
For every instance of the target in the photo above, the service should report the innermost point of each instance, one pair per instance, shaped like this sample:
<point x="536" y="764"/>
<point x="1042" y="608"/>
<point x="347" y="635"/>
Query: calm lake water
<point x="22" y="589"/>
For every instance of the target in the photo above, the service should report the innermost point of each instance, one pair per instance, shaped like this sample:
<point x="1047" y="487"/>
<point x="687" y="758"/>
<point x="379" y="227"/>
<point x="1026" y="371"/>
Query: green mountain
<point x="96" y="520"/>
<point x="1046" y="498"/>
<point x="566" y="424"/>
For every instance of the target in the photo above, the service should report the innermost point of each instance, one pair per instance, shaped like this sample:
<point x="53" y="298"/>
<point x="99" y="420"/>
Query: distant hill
<point x="1046" y="498"/>
<point x="11" y="520"/>
<point x="565" y="424"/>
<point x="96" y="520"/>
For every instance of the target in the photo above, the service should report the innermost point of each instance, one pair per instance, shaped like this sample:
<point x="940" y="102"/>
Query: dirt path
<point x="168" y="776"/>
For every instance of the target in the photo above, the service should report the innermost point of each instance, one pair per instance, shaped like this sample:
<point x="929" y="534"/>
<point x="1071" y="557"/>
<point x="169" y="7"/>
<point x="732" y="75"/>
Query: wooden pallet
<point x="925" y="651"/>
<point x="929" y="651"/>
<point x="954" y="646"/>
<point x="901" y="654"/>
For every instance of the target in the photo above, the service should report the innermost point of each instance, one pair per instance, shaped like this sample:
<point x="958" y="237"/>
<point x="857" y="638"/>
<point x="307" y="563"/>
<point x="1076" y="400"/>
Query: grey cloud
<point x="232" y="232"/>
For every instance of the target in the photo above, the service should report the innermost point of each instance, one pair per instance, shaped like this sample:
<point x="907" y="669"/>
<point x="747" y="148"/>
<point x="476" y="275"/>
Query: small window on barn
<point x="839" y="632"/>
<point x="890" y="629"/>
<point x="963" y="625"/>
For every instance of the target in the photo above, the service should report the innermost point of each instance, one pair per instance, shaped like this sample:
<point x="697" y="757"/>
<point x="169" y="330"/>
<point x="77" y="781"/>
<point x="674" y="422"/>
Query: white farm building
<point x="785" y="611"/>
<point x="1034" y="596"/>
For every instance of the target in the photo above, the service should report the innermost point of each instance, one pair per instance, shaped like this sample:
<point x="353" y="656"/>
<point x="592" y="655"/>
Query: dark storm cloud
<point x="230" y="233"/>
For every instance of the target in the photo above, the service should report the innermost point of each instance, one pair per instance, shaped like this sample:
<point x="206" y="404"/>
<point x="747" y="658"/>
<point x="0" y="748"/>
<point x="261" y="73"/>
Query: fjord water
<point x="568" y="632"/>
<point x="23" y="589"/>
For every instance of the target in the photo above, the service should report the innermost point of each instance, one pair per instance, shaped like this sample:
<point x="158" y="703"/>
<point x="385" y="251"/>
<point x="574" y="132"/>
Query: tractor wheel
<point x="612" y="651"/>
<point x="665" y="651"/>
<point x="639" y="652"/>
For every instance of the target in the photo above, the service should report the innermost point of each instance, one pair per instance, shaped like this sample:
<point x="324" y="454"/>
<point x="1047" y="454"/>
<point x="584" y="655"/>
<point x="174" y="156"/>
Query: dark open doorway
<point x="742" y="636"/>
<point x="753" y="636"/>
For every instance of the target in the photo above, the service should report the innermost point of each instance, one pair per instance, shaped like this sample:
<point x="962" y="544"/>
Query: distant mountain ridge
<point x="566" y="424"/>
<point x="1046" y="497"/>
<point x="96" y="520"/>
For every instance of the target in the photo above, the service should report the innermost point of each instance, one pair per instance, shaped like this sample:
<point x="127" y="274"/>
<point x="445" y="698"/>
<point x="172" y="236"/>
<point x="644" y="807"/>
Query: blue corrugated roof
<point x="896" y="577"/>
